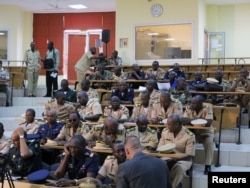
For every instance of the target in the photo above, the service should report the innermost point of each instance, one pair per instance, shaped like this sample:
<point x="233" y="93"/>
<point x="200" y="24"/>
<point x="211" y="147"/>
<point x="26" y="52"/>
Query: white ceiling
<point x="60" y="6"/>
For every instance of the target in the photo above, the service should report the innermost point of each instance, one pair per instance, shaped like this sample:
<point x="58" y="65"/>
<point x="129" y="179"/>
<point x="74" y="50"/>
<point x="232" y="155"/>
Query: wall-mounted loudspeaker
<point x="105" y="35"/>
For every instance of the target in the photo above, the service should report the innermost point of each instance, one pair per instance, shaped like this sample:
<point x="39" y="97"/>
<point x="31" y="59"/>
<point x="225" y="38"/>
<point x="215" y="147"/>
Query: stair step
<point x="17" y="111"/>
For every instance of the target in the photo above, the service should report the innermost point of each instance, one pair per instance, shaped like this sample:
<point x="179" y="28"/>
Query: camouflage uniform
<point x="140" y="110"/>
<point x="203" y="136"/>
<point x="183" y="95"/>
<point x="92" y="107"/>
<point x="154" y="96"/>
<point x="109" y="168"/>
<point x="159" y="74"/>
<point x="121" y="113"/>
<point x="147" y="138"/>
<point x="98" y="133"/>
<point x="67" y="132"/>
<point x="185" y="143"/>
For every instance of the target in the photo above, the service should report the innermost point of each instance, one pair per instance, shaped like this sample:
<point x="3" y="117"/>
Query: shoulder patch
<point x="165" y="129"/>
<point x="131" y="129"/>
<point x="190" y="133"/>
<point x="151" y="130"/>
<point x="109" y="157"/>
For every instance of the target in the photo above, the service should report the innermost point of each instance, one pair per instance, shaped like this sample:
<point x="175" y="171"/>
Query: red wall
<point x="51" y="27"/>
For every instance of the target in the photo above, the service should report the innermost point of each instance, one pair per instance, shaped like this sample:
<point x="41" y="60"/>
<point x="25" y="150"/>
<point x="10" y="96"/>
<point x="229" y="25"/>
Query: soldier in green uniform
<point x="184" y="140"/>
<point x="204" y="111"/>
<point x="147" y="136"/>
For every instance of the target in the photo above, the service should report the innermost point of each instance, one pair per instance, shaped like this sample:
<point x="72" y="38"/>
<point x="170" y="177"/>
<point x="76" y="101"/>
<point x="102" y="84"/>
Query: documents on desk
<point x="163" y="86"/>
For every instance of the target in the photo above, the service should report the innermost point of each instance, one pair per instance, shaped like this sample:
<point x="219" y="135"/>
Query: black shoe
<point x="7" y="104"/>
<point x="207" y="169"/>
<point x="33" y="95"/>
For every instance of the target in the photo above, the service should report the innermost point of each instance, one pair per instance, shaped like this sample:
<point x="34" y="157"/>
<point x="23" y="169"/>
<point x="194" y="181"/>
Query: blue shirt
<point x="51" y="132"/>
<point x="128" y="95"/>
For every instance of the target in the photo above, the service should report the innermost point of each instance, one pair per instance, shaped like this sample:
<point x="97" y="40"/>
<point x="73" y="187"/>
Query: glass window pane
<point x="3" y="44"/>
<point x="170" y="41"/>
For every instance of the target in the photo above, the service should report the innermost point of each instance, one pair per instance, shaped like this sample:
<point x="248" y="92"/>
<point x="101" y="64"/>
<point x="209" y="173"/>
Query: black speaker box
<point x="105" y="35"/>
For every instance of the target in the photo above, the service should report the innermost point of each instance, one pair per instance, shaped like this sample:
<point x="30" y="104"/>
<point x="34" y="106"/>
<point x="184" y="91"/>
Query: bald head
<point x="110" y="126"/>
<point x="132" y="146"/>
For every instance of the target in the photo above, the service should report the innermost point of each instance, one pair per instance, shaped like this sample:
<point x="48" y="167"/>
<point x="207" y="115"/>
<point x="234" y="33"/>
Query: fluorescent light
<point x="79" y="6"/>
<point x="153" y="34"/>
<point x="1" y="33"/>
<point x="169" y="39"/>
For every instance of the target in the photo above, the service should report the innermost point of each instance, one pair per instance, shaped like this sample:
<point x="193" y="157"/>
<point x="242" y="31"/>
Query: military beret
<point x="38" y="176"/>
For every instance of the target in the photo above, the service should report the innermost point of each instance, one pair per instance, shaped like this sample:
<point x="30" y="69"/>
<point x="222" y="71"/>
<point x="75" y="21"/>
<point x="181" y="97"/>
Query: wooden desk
<point x="220" y="92"/>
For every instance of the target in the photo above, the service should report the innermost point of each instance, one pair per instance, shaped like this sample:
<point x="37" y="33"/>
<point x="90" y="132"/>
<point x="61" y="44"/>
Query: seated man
<point x="77" y="162"/>
<point x="74" y="127"/>
<point x="108" y="171"/>
<point x="136" y="74"/>
<point x="62" y="109"/>
<point x="101" y="74"/>
<point x="4" y="86"/>
<point x="199" y="110"/>
<point x="148" y="137"/>
<point x="49" y="130"/>
<point x="181" y="91"/>
<point x="118" y="75"/>
<point x="116" y="110"/>
<point x="85" y="86"/>
<point x="24" y="156"/>
<point x="172" y="79"/>
<point x="115" y="59"/>
<point x="184" y="140"/>
<point x="125" y="94"/>
<point x="30" y="126"/>
<point x="109" y="132"/>
<point x="151" y="86"/>
<point x="69" y="93"/>
<point x="155" y="72"/>
<point x="89" y="108"/>
<point x="176" y="69"/>
<point x="142" y="107"/>
<point x="4" y="141"/>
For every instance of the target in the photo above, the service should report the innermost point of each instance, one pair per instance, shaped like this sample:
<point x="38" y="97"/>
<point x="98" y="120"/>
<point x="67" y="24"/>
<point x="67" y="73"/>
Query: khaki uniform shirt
<point x="118" y="78"/>
<point x="92" y="93"/>
<point x="159" y="74"/>
<point x="159" y="112"/>
<point x="121" y="113"/>
<point x="205" y="113"/>
<point x="226" y="87"/>
<point x="32" y="60"/>
<point x="98" y="133"/>
<point x="109" y="168"/>
<point x="154" y="96"/>
<point x="138" y="109"/>
<point x="4" y="145"/>
<point x="67" y="132"/>
<point x="184" y="141"/>
<point x="30" y="128"/>
<point x="92" y="107"/>
<point x="62" y="111"/>
<point x="240" y="84"/>
<point x="84" y="62"/>
<point x="147" y="138"/>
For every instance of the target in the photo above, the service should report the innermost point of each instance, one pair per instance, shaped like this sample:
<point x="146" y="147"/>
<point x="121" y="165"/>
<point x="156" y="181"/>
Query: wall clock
<point x="156" y="10"/>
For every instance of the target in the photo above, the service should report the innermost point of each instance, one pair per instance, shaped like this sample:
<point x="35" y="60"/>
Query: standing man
<point x="32" y="59"/>
<point x="83" y="65"/>
<point x="52" y="73"/>
<point x="141" y="170"/>
<point x="4" y="87"/>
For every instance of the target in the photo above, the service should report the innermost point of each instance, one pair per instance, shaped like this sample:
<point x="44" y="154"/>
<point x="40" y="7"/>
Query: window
<point x="166" y="41"/>
<point x="3" y="44"/>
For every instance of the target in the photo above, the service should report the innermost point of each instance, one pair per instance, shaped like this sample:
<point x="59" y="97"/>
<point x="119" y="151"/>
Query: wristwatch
<point x="21" y="136"/>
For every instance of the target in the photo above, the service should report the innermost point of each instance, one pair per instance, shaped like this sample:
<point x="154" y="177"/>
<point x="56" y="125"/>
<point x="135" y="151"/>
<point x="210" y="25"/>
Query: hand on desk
<point x="63" y="182"/>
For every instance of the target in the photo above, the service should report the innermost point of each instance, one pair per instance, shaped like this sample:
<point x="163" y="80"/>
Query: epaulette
<point x="137" y="104"/>
<point x="165" y="129"/>
<point x="51" y="100"/>
<point x="90" y="154"/>
<point x="190" y="133"/>
<point x="110" y="157"/>
<point x="151" y="130"/>
<point x="235" y="79"/>
<point x="98" y="128"/>
<point x="174" y="100"/>
<point x="131" y="129"/>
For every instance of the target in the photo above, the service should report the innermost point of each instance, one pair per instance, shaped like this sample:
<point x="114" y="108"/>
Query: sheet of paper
<point x="53" y="74"/>
<point x="141" y="88"/>
<point x="163" y="86"/>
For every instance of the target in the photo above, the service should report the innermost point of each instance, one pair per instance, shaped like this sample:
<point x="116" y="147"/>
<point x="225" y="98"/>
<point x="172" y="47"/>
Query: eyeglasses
<point x="72" y="120"/>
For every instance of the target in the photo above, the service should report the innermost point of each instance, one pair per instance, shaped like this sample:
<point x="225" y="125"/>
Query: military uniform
<point x="62" y="111"/>
<point x="70" y="95"/>
<point x="183" y="95"/>
<point x="32" y="60"/>
<point x="185" y="143"/>
<point x="107" y="75"/>
<point x="128" y="95"/>
<point x="67" y="132"/>
<point x="30" y="128"/>
<point x="98" y="133"/>
<point x="109" y="168"/>
<point x="24" y="166"/>
<point x="92" y="107"/>
<point x="159" y="74"/>
<point x="140" y="110"/>
<point x="147" y="138"/>
<point x="154" y="96"/>
<point x="4" y="145"/>
<point x="226" y="87"/>
<point x="159" y="112"/>
<point x="121" y="113"/>
<point x="203" y="136"/>
<point x="51" y="132"/>
<point x="78" y="169"/>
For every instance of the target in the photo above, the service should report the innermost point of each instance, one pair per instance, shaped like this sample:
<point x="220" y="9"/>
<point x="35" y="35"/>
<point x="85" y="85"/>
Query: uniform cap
<point x="38" y="176"/>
